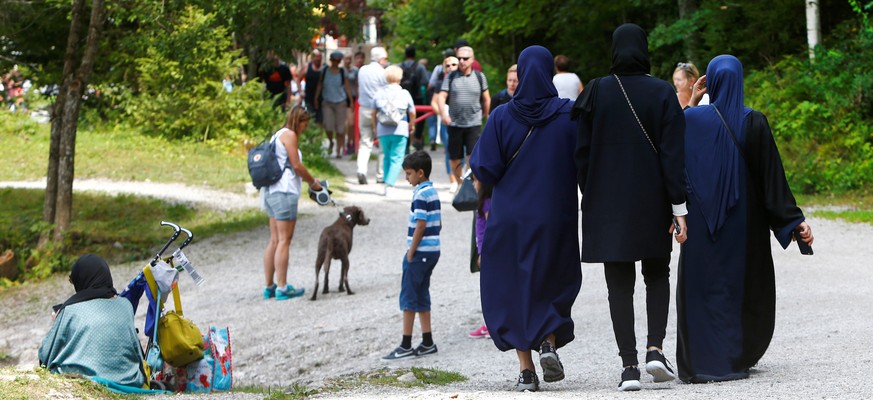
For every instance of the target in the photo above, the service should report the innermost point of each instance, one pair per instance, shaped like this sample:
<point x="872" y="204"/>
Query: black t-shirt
<point x="276" y="78"/>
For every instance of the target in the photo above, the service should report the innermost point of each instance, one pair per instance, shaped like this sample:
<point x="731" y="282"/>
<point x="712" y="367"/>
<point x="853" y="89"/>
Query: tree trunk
<point x="51" y="188"/>
<point x="66" y="117"/>
<point x="691" y="44"/>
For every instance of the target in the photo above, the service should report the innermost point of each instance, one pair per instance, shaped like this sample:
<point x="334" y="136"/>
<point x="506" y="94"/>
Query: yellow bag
<point x="178" y="337"/>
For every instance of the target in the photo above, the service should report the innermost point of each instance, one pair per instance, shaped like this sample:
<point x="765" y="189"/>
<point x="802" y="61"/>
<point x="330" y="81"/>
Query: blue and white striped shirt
<point x="425" y="206"/>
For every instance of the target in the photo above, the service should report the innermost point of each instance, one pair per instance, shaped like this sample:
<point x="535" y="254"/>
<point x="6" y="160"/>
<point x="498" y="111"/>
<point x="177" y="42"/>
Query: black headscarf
<point x="92" y="280"/>
<point x="630" y="56"/>
<point x="536" y="101"/>
<point x="630" y="51"/>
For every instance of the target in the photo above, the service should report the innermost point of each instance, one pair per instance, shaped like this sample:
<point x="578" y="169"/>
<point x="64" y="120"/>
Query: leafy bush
<point x="179" y="92"/>
<point x="821" y="112"/>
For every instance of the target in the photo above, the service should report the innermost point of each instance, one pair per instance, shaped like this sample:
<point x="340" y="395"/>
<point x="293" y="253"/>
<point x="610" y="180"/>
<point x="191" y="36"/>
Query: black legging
<point x="620" y="280"/>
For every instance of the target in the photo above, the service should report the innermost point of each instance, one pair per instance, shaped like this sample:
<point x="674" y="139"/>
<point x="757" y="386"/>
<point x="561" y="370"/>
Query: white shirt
<point x="371" y="79"/>
<point x="567" y="84"/>
<point x="289" y="182"/>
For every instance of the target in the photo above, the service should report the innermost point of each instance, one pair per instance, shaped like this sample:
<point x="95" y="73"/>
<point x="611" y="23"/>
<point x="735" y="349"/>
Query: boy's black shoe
<point x="658" y="366"/>
<point x="423" y="350"/>
<point x="527" y="381"/>
<point x="399" y="354"/>
<point x="553" y="370"/>
<point x="630" y="379"/>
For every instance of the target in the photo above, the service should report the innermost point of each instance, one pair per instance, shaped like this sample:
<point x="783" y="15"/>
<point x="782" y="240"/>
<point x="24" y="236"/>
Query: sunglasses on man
<point x="464" y="58"/>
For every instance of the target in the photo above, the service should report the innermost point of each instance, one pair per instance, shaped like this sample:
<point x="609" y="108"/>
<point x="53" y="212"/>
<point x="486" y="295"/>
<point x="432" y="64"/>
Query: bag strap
<point x="177" y="300"/>
<point x="635" y="114"/>
<point x="730" y="132"/>
<point x="157" y="318"/>
<point x="518" y="149"/>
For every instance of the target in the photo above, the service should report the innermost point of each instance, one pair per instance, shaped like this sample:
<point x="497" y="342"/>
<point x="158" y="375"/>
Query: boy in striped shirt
<point x="423" y="240"/>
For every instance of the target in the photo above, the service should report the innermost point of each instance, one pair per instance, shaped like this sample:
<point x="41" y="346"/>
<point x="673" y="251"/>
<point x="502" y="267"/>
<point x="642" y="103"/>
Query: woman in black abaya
<point x="737" y="194"/>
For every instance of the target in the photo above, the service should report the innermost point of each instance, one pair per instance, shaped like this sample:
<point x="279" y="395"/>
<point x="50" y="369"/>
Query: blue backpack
<point x="264" y="166"/>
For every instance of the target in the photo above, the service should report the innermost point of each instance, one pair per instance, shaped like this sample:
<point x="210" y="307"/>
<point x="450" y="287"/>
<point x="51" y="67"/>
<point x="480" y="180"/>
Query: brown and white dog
<point x="335" y="243"/>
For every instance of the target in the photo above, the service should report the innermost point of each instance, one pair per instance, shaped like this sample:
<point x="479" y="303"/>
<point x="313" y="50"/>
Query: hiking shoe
<point x="527" y="381"/>
<point x="362" y="179"/>
<point x="289" y="293"/>
<point x="270" y="291"/>
<point x="400" y="353"/>
<point x="658" y="366"/>
<point x="480" y="332"/>
<point x="423" y="350"/>
<point x="630" y="379"/>
<point x="553" y="370"/>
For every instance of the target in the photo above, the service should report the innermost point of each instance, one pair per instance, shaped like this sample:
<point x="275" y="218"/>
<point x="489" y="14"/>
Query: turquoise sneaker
<point x="289" y="293"/>
<point x="270" y="291"/>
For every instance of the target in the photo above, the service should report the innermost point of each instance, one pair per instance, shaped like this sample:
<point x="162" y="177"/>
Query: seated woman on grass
<point x="93" y="331"/>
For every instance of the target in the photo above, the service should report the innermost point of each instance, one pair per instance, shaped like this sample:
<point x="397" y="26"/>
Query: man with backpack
<point x="465" y="92"/>
<point x="334" y="94"/>
<point x="414" y="81"/>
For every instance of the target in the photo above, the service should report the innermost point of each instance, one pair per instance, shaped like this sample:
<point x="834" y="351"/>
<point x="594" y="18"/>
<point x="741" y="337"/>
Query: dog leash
<point x="341" y="212"/>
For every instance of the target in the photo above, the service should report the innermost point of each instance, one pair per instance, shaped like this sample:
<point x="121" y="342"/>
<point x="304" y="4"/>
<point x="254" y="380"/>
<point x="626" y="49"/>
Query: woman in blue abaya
<point x="737" y="193"/>
<point x="530" y="254"/>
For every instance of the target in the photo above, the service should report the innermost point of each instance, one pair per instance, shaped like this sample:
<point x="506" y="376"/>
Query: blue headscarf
<point x="536" y="101"/>
<point x="712" y="160"/>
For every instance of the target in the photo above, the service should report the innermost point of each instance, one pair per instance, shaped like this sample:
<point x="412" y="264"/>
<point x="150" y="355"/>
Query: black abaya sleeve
<point x="766" y="170"/>
<point x="583" y="148"/>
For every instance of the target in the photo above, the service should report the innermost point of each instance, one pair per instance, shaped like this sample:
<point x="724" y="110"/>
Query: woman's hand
<point x="805" y="232"/>
<point x="682" y="236"/>
<point x="698" y="89"/>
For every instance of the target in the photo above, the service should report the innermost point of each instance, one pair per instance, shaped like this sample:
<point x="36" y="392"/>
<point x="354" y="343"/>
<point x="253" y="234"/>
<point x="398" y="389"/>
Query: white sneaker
<point x="388" y="191"/>
<point x="453" y="188"/>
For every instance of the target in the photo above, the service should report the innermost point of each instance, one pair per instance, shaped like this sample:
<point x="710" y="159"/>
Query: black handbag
<point x="467" y="199"/>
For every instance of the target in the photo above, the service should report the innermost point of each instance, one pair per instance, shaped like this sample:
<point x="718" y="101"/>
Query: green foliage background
<point x="821" y="112"/>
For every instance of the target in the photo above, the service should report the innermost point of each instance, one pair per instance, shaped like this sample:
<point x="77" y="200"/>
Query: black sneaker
<point x="553" y="370"/>
<point x="527" y="381"/>
<point x="399" y="354"/>
<point x="658" y="366"/>
<point x="362" y="179"/>
<point x="423" y="350"/>
<point x="630" y="379"/>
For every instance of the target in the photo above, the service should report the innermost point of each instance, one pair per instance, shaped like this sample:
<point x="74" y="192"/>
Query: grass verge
<point x="119" y="228"/>
<point x="16" y="384"/>
<point x="121" y="154"/>
<point x="376" y="378"/>
<point x="849" y="207"/>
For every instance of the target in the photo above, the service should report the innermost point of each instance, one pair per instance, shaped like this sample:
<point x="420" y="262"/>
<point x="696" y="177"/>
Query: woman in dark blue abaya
<point x="530" y="254"/>
<point x="737" y="192"/>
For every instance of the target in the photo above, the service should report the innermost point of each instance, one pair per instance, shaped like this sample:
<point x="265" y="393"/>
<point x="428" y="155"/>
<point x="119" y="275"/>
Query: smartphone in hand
<point x="676" y="225"/>
<point x="805" y="248"/>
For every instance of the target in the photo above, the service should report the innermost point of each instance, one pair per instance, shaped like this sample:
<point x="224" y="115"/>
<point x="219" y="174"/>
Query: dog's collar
<point x="348" y="217"/>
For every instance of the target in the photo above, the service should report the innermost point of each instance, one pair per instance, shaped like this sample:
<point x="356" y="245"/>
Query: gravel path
<point x="821" y="347"/>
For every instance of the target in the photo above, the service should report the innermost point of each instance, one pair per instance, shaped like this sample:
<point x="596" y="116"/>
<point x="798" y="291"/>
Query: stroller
<point x="179" y="350"/>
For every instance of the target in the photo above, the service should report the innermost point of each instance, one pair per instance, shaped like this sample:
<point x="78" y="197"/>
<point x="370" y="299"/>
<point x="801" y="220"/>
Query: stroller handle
<point x="176" y="231"/>
<point x="188" y="240"/>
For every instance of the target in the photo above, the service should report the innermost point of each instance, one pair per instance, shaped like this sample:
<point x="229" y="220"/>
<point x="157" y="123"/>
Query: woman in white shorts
<point x="279" y="200"/>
